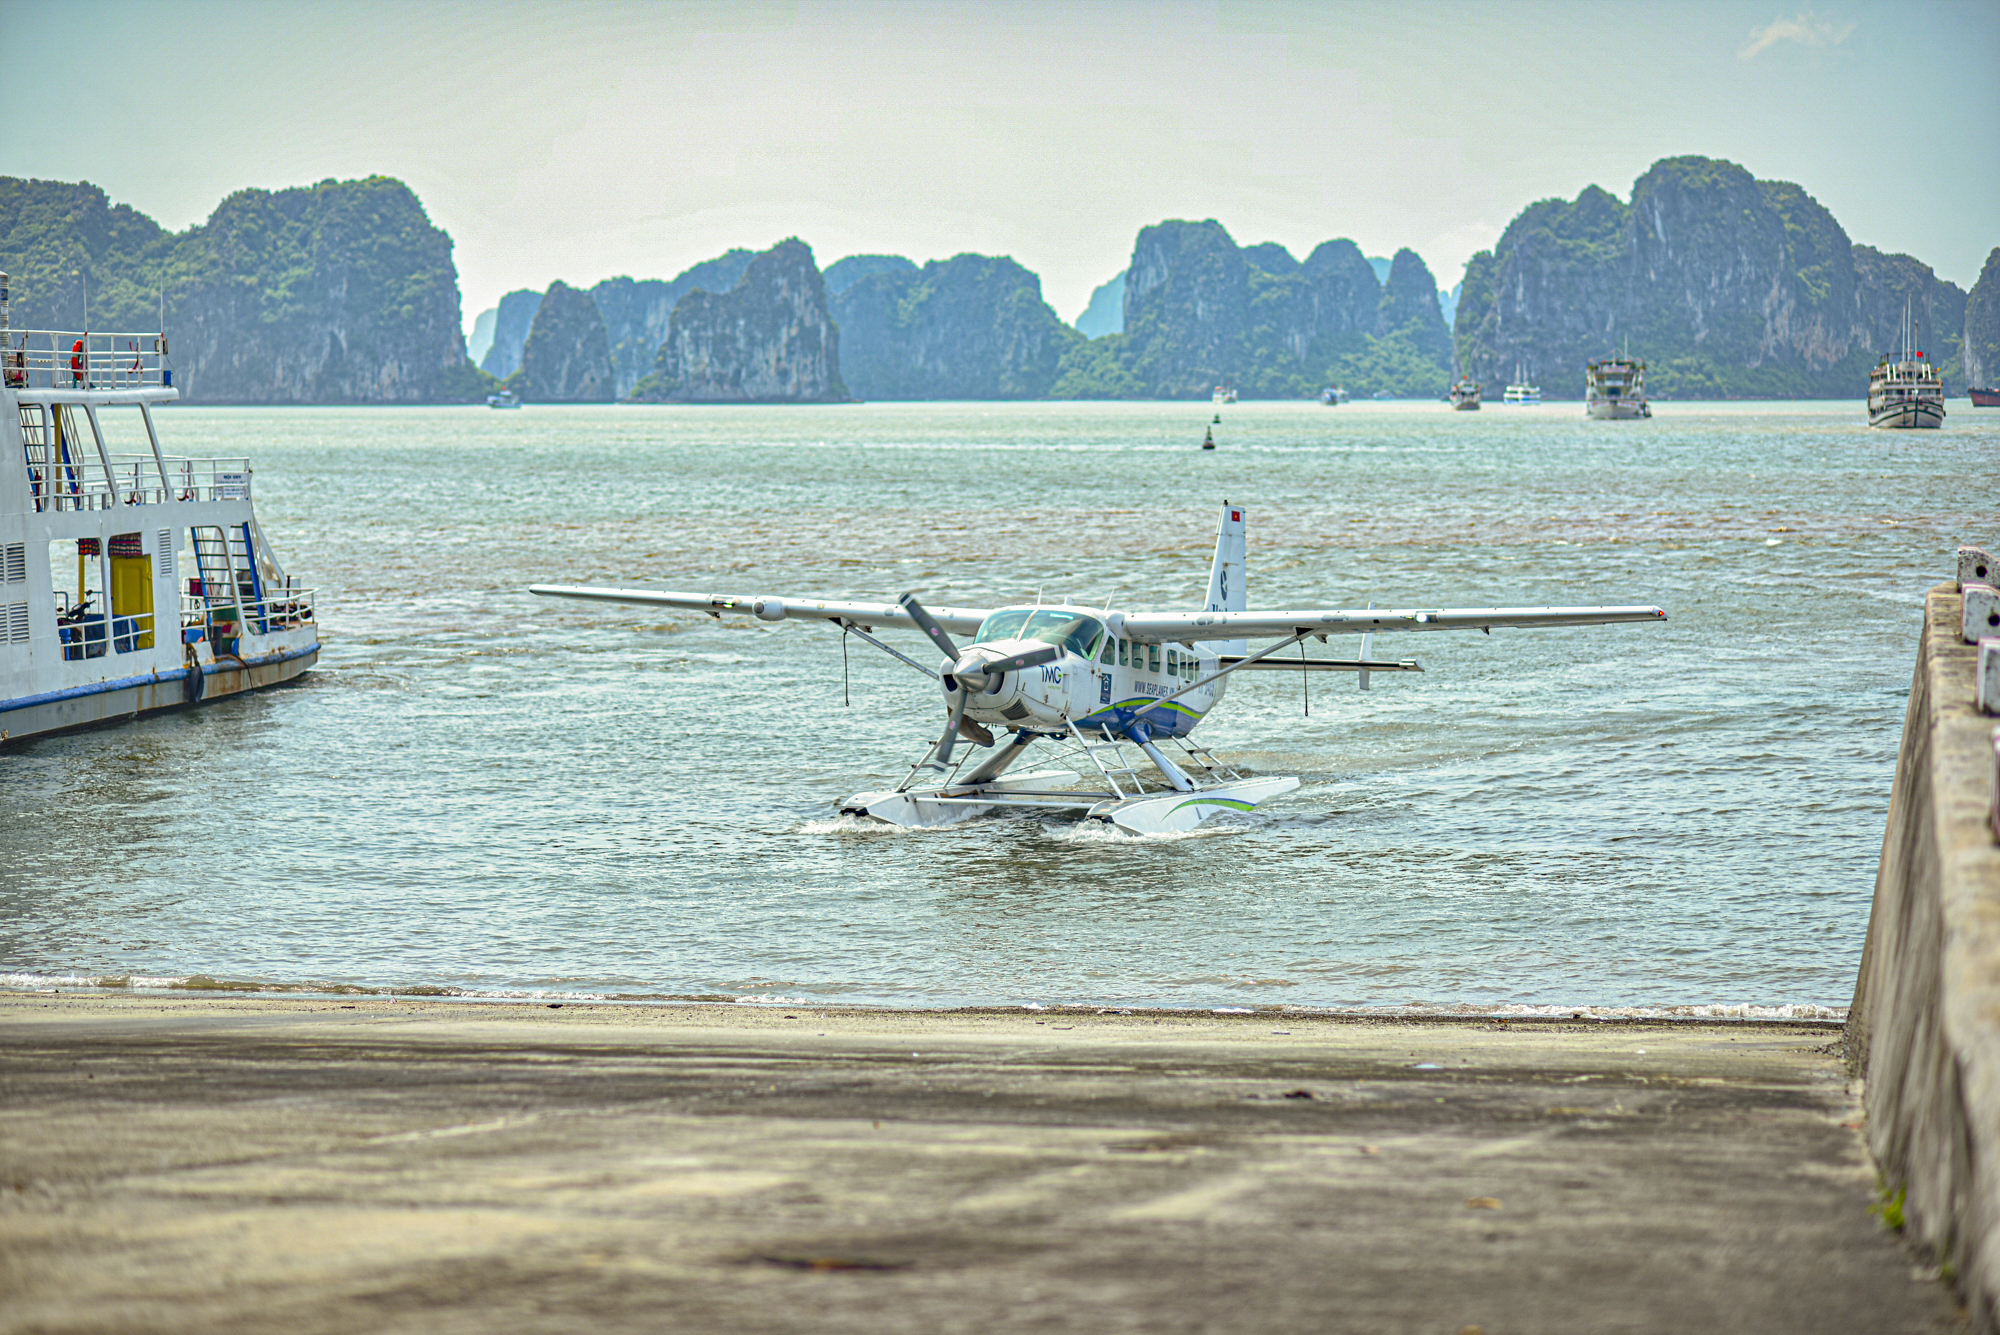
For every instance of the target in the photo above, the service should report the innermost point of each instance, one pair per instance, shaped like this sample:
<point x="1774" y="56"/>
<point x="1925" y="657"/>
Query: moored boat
<point x="1905" y="390"/>
<point x="1223" y="394"/>
<point x="1464" y="395"/>
<point x="94" y="624"/>
<point x="1519" y="390"/>
<point x="506" y="398"/>
<point x="1615" y="389"/>
<point x="1333" y="396"/>
<point x="1984" y="398"/>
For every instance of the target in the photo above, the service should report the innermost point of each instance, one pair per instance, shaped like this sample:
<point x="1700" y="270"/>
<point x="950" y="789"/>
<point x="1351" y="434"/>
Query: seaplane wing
<point x="768" y="607"/>
<point x="1162" y="627"/>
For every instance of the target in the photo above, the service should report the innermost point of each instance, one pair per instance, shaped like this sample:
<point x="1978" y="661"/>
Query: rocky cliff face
<point x="1106" y="312"/>
<point x="1981" y="348"/>
<point x="769" y="339"/>
<point x="567" y="358"/>
<point x="971" y="327"/>
<point x="1200" y="312"/>
<point x="340" y="292"/>
<point x="1886" y="283"/>
<point x="843" y="274"/>
<point x="1725" y="285"/>
<point x="636" y="313"/>
<point x="512" y="319"/>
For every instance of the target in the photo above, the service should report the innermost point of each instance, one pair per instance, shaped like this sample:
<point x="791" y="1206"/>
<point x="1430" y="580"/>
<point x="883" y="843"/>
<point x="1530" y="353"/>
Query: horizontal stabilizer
<point x="1277" y="664"/>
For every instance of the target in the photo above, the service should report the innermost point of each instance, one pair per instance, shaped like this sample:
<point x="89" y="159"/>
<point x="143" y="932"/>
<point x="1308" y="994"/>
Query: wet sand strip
<point x="300" y="1165"/>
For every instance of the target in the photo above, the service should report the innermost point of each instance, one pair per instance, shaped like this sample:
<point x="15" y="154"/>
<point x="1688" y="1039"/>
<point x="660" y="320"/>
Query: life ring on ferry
<point x="76" y="361"/>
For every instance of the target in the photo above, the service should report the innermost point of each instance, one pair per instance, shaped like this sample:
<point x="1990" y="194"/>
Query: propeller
<point x="928" y="625"/>
<point x="975" y="669"/>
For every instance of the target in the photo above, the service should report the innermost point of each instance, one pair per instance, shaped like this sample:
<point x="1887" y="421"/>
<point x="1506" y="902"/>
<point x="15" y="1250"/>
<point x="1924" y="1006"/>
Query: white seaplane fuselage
<point x="1100" y="683"/>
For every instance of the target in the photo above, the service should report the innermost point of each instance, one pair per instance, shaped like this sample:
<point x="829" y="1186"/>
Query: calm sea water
<point x="486" y="792"/>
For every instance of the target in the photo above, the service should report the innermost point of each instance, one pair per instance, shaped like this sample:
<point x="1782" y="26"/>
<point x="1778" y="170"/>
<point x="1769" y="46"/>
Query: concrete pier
<point x="218" y="1165"/>
<point x="1924" y="1029"/>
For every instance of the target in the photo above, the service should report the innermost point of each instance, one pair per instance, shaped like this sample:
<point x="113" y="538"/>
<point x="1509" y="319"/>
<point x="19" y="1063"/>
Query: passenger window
<point x="1153" y="659"/>
<point x="1122" y="652"/>
<point x="1105" y="657"/>
<point x="1173" y="664"/>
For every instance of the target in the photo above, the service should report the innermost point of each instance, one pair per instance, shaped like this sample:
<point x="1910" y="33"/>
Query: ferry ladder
<point x="46" y="457"/>
<point x="244" y="560"/>
<point x="213" y="562"/>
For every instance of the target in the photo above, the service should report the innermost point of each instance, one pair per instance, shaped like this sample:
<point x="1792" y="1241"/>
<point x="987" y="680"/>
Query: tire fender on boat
<point x="196" y="680"/>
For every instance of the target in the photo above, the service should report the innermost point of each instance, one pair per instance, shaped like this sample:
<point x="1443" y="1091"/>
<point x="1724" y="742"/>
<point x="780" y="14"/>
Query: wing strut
<point x="850" y="628"/>
<point x="1217" y="676"/>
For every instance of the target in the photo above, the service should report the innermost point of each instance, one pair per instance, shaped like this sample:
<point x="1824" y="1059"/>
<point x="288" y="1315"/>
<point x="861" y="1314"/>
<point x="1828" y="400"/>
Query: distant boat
<point x="506" y="398"/>
<point x="1464" y="396"/>
<point x="1520" y="391"/>
<point x="1615" y="389"/>
<point x="1905" y="391"/>
<point x="1223" y="394"/>
<point x="1984" y="398"/>
<point x="1381" y="394"/>
<point x="1333" y="396"/>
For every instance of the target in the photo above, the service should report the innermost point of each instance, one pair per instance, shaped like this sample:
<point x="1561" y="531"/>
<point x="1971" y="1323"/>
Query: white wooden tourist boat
<point x="133" y="581"/>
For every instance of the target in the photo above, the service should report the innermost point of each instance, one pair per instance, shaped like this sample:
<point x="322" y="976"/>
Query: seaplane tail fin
<point x="1226" y="575"/>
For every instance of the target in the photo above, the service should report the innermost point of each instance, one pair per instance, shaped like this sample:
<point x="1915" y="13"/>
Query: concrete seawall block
<point x="1975" y="566"/>
<point x="1924" y="1029"/>
<point x="1987" y="689"/>
<point x="1979" y="615"/>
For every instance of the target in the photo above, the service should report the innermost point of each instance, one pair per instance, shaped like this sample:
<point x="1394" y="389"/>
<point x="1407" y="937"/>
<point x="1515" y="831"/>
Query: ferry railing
<point x="221" y="620"/>
<point x="81" y="482"/>
<point x="74" y="359"/>
<point x="82" y="628"/>
<point x="194" y="479"/>
<point x="77" y="483"/>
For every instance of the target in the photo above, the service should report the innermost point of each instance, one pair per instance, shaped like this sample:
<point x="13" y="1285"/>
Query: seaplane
<point x="1118" y="691"/>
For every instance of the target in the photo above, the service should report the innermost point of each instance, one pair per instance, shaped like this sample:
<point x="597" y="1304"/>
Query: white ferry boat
<point x="1223" y="394"/>
<point x="96" y="624"/>
<point x="1333" y="396"/>
<point x="1464" y="396"/>
<point x="506" y="398"/>
<point x="1905" y="391"/>
<point x="1615" y="389"/>
<point x="1520" y="391"/>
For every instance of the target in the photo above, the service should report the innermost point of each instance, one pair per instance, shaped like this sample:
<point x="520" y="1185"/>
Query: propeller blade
<point x="951" y="727"/>
<point x="928" y="625"/>
<point x="1033" y="658"/>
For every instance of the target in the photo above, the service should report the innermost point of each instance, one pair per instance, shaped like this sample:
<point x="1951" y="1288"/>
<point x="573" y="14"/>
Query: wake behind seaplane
<point x="1109" y="688"/>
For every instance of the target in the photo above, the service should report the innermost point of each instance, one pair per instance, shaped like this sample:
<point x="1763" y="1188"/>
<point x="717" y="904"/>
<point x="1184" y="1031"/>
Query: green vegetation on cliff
<point x="769" y="339"/>
<point x="567" y="358"/>
<point x="970" y="327"/>
<point x="1726" y="286"/>
<point x="1201" y="312"/>
<point x="341" y="292"/>
<point x="1981" y="347"/>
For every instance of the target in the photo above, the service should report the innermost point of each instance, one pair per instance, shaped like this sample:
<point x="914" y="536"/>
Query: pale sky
<point x="579" y="140"/>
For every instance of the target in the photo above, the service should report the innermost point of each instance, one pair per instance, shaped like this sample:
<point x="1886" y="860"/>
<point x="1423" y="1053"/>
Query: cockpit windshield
<point x="1072" y="630"/>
